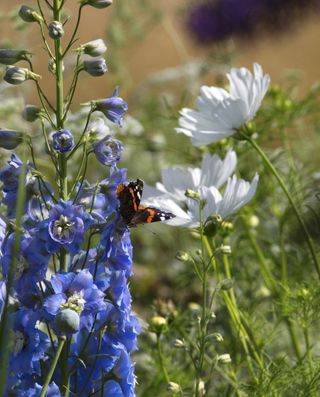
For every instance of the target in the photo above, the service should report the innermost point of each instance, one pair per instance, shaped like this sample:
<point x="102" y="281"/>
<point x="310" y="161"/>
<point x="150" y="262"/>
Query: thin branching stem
<point x="284" y="188"/>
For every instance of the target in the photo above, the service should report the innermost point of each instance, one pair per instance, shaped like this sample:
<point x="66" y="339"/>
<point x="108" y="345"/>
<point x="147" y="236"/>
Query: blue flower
<point x="9" y="174"/>
<point x="109" y="186"/>
<point x="65" y="227"/>
<point x="94" y="362"/>
<point x="27" y="272"/>
<point x="115" y="238"/>
<point x="62" y="141"/>
<point x="112" y="107"/>
<point x="30" y="345"/>
<point x="35" y="391"/>
<point x="75" y="291"/>
<point x="108" y="150"/>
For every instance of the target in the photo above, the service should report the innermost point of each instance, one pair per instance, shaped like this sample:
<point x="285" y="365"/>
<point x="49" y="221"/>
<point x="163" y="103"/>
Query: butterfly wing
<point x="148" y="215"/>
<point x="130" y="209"/>
<point x="129" y="198"/>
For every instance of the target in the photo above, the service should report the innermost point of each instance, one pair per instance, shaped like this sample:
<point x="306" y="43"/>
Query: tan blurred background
<point x="167" y="44"/>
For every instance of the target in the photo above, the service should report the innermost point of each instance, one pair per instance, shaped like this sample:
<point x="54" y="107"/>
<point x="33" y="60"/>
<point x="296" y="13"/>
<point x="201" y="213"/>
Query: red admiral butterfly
<point x="132" y="212"/>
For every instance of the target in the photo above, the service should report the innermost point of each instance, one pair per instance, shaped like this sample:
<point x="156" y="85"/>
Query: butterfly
<point x="132" y="212"/>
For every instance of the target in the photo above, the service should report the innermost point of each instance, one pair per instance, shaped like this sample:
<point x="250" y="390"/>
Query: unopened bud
<point x="226" y="249"/>
<point x="95" y="67"/>
<point x="179" y="344"/>
<point x="226" y="284"/>
<point x="97" y="3"/>
<point x="15" y="75"/>
<point x="224" y="359"/>
<point x="28" y="14"/>
<point x="192" y="194"/>
<point x="94" y="48"/>
<point x="52" y="66"/>
<point x="218" y="337"/>
<point x="212" y="224"/>
<point x="55" y="30"/>
<point x="194" y="307"/>
<point x="183" y="256"/>
<point x="10" y="57"/>
<point x="213" y="316"/>
<point x="174" y="387"/>
<point x="31" y="113"/>
<point x="226" y="228"/>
<point x="10" y="139"/>
<point x="253" y="221"/>
<point x="158" y="325"/>
<point x="67" y="321"/>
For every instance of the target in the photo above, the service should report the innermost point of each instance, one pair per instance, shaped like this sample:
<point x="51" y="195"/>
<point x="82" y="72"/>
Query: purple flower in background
<point x="108" y="150"/>
<point x="112" y="107"/>
<point x="212" y="21"/>
<point x="62" y="141"/>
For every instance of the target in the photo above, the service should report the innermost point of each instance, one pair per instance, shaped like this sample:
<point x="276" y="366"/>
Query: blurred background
<point x="148" y="36"/>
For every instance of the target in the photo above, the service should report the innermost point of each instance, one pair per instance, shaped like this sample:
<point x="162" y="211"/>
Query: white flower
<point x="220" y="112"/>
<point x="175" y="180"/>
<point x="236" y="195"/>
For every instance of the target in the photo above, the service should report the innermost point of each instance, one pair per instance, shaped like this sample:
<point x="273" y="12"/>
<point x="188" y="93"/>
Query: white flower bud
<point x="224" y="359"/>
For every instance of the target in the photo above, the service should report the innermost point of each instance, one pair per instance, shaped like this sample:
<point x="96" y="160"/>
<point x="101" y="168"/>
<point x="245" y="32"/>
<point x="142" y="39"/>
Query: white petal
<point x="215" y="171"/>
<point x="237" y="194"/>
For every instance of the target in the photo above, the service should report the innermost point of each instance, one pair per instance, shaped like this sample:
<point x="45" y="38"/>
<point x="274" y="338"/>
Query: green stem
<point x="53" y="366"/>
<point x="308" y="349"/>
<point x="209" y="360"/>
<point x="290" y="199"/>
<point x="235" y="319"/>
<point x="63" y="169"/>
<point x="161" y="361"/>
<point x="271" y="284"/>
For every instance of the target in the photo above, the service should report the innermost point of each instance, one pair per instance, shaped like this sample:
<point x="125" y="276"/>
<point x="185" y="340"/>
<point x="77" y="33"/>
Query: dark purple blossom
<point x="212" y="21"/>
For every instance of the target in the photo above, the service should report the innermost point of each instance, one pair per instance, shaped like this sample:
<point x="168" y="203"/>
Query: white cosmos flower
<point x="237" y="193"/>
<point x="220" y="112"/>
<point x="175" y="180"/>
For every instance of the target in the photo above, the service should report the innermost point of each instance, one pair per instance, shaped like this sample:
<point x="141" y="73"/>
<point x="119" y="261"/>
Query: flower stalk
<point x="284" y="188"/>
<point x="53" y="365"/>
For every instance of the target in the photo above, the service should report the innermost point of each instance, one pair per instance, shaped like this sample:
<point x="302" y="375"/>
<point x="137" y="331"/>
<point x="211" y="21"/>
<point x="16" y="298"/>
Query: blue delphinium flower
<point x="28" y="271"/>
<point x="108" y="150"/>
<point x="75" y="291"/>
<point x="112" y="107"/>
<point x="30" y="345"/>
<point x="62" y="141"/>
<point x="65" y="227"/>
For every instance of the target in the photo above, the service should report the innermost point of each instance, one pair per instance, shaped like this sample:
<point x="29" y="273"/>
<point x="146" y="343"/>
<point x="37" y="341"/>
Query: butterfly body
<point x="132" y="212"/>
